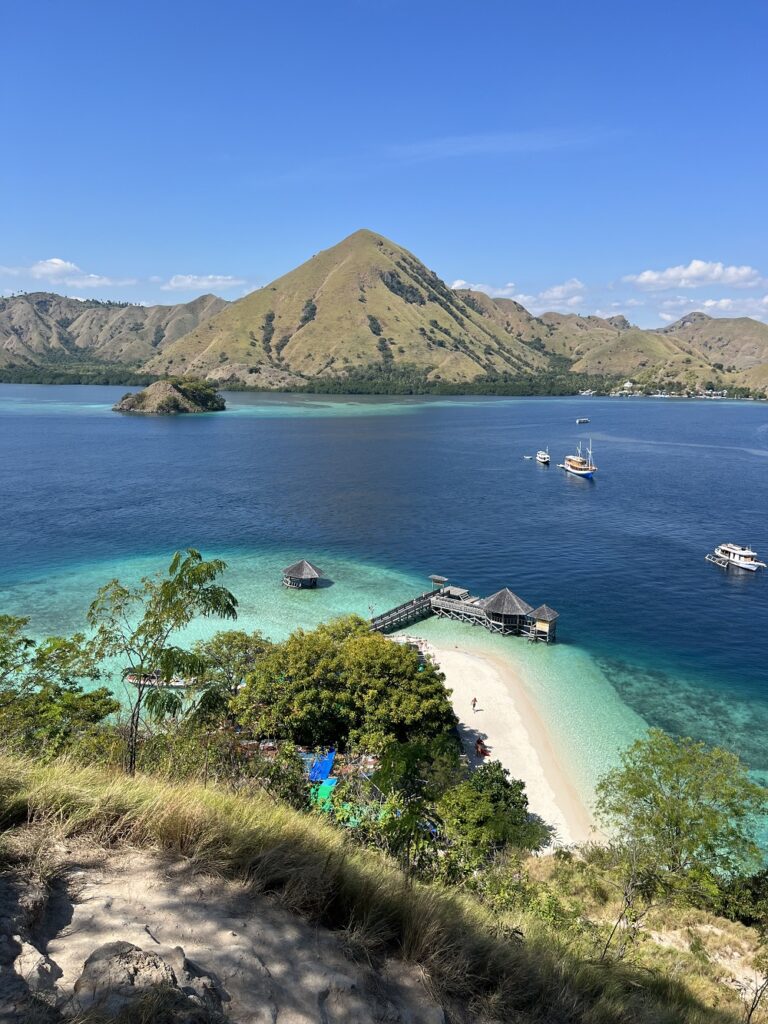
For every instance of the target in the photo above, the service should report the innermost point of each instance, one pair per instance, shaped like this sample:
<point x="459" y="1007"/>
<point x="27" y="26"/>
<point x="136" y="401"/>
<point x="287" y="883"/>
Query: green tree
<point x="343" y="685"/>
<point x="409" y="781"/>
<point x="228" y="657"/>
<point x="43" y="706"/>
<point x="693" y="808"/>
<point x="486" y="813"/>
<point x="683" y="818"/>
<point x="137" y="624"/>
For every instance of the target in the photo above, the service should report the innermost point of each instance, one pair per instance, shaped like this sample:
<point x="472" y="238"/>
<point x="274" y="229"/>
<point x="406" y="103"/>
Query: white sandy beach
<point x="511" y="727"/>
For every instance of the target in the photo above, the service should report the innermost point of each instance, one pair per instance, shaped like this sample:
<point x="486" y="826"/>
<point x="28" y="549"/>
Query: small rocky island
<point x="171" y="397"/>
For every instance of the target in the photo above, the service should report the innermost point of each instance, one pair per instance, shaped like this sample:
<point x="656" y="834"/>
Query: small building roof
<point x="545" y="614"/>
<point x="303" y="570"/>
<point x="438" y="579"/>
<point x="504" y="602"/>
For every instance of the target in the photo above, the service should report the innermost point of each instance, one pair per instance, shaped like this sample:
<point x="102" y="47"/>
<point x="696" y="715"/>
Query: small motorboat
<point x="733" y="554"/>
<point x="527" y="457"/>
<point x="543" y="457"/>
<point x="583" y="419"/>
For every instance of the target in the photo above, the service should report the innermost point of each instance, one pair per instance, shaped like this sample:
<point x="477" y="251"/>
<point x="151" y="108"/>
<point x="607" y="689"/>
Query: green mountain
<point x="44" y="329"/>
<point x="368" y="307"/>
<point x="364" y="302"/>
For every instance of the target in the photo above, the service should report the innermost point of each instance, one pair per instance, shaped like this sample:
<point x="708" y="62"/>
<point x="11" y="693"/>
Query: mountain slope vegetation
<point x="368" y="310"/>
<point x="41" y="328"/>
<point x="364" y="301"/>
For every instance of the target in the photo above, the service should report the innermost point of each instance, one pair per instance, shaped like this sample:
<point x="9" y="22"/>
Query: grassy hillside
<point x="368" y="315"/>
<point x="365" y="301"/>
<point x="483" y="964"/>
<point x="44" y="329"/>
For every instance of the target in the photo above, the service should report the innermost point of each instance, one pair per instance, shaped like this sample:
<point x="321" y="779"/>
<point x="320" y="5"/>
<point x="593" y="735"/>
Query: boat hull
<point x="586" y="474"/>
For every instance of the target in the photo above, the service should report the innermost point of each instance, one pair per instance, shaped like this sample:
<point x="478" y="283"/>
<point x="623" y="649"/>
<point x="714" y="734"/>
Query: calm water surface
<point x="382" y="492"/>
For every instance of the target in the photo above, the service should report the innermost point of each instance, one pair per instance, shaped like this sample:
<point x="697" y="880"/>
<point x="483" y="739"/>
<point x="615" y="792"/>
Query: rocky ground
<point x="131" y="936"/>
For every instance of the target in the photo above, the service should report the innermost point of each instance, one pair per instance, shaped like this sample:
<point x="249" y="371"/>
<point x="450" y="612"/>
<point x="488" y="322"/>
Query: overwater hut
<point x="301" y="575"/>
<point x="507" y="612"/>
<point x="544" y="623"/>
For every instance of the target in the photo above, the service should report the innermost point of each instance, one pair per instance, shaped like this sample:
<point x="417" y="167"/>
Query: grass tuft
<point x="468" y="956"/>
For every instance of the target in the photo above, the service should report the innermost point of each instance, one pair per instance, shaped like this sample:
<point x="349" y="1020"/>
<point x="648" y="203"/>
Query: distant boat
<point x="578" y="465"/>
<point x="735" y="555"/>
<point x="543" y="457"/>
<point x="527" y="456"/>
<point x="583" y="419"/>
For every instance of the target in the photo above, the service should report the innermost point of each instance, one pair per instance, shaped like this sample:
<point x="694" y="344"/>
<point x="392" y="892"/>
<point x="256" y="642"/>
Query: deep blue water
<point x="422" y="486"/>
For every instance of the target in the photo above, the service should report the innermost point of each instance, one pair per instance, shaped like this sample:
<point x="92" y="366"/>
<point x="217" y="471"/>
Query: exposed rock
<point x="169" y="398"/>
<point x="118" y="974"/>
<point x="620" y="323"/>
<point x="115" y="955"/>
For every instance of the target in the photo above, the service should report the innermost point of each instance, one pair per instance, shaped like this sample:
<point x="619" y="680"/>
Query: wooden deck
<point x="467" y="609"/>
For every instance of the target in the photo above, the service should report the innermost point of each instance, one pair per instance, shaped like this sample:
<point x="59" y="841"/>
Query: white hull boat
<point x="577" y="465"/>
<point x="726" y="555"/>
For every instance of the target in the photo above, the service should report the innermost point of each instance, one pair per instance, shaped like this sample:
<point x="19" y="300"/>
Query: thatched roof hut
<point x="301" y="574"/>
<point x="506" y="605"/>
<point x="545" y="614"/>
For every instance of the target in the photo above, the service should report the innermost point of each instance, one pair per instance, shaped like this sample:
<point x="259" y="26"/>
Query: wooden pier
<point x="502" y="612"/>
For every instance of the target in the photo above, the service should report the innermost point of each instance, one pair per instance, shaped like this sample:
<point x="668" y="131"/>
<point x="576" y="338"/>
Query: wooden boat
<point x="578" y="465"/>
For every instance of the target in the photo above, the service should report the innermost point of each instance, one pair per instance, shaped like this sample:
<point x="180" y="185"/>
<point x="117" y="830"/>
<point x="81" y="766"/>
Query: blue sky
<point x="595" y="157"/>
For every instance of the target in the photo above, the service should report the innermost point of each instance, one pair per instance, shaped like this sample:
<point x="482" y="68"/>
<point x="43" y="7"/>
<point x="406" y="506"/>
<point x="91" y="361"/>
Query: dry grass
<point x="467" y="956"/>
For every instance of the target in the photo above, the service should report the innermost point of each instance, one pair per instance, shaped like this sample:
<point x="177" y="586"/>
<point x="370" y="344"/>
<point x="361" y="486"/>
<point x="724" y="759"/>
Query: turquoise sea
<point x="381" y="492"/>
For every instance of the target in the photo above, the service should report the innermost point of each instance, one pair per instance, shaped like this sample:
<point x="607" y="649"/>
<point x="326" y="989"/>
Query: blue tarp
<point x="322" y="767"/>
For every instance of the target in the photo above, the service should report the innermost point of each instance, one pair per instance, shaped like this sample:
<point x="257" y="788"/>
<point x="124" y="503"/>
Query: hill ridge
<point x="368" y="306"/>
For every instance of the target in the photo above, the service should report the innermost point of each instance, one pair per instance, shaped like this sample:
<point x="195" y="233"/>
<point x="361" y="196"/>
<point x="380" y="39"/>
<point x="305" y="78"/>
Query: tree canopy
<point x="341" y="684"/>
<point x="42" y="701"/>
<point x="691" y="808"/>
<point x="137" y="625"/>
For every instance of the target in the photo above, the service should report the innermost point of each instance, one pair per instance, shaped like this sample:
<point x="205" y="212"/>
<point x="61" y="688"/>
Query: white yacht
<point x="543" y="457"/>
<point x="733" y="554"/>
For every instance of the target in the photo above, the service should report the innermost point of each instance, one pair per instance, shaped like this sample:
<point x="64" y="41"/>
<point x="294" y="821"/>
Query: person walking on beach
<point x="474" y="704"/>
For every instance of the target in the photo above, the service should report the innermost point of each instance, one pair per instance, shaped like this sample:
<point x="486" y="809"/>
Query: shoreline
<point x="508" y="721"/>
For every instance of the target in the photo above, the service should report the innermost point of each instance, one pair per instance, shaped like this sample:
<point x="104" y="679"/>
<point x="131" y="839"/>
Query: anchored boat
<point x="583" y="419"/>
<point x="543" y="457"/>
<point x="578" y="465"/>
<point x="733" y="554"/>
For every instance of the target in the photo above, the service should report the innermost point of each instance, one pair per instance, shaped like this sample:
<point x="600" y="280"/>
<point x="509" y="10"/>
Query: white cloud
<point x="200" y="282"/>
<point x="558" y="297"/>
<point x="505" y="291"/>
<point x="743" y="305"/>
<point x="62" y="272"/>
<point x="696" y="274"/>
<point x="573" y="287"/>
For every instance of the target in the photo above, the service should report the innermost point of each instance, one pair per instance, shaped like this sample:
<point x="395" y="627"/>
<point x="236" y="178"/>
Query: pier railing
<point x="470" y="610"/>
<point x="409" y="611"/>
<point x="465" y="608"/>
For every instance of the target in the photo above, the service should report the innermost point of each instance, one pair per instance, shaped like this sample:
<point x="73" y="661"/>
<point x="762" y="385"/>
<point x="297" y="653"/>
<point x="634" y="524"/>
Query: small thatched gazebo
<point x="544" y="621"/>
<point x="301" y="574"/>
<point x="508" y="611"/>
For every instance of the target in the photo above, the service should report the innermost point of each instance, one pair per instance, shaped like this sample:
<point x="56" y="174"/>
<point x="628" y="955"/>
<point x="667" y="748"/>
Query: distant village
<point x="630" y="389"/>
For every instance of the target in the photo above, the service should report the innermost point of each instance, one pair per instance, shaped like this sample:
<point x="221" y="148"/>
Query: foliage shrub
<point x="343" y="685"/>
